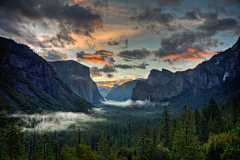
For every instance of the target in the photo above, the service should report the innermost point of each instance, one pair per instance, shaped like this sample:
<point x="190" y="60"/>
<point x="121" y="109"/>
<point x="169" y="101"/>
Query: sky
<point x="122" y="40"/>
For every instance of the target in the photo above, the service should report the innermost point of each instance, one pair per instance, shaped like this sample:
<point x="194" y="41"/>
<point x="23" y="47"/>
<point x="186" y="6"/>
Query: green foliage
<point x="166" y="126"/>
<point x="45" y="148"/>
<point x="232" y="149"/>
<point x="68" y="153"/>
<point x="161" y="153"/>
<point x="12" y="142"/>
<point x="185" y="144"/>
<point x="103" y="147"/>
<point x="215" y="145"/>
<point x="235" y="110"/>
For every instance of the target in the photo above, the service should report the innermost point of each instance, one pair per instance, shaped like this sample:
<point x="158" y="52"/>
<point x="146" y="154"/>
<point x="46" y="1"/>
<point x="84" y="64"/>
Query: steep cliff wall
<point x="33" y="78"/>
<point x="77" y="77"/>
<point x="206" y="75"/>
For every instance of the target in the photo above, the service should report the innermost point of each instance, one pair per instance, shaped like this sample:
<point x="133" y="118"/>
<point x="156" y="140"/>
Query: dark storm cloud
<point x="101" y="56"/>
<point x="134" y="54"/>
<point x="107" y="69"/>
<point x="96" y="71"/>
<point x="168" y="61"/>
<point x="109" y="75"/>
<point x="190" y="15"/>
<point x="211" y="27"/>
<point x="15" y="15"/>
<point x="126" y="66"/>
<point x="168" y="2"/>
<point x="142" y="66"/>
<point x="100" y="3"/>
<point x="153" y="15"/>
<point x="186" y="45"/>
<point x="212" y="42"/>
<point x="53" y="55"/>
<point x="195" y="13"/>
<point x="116" y="43"/>
<point x="90" y="45"/>
<point x="212" y="3"/>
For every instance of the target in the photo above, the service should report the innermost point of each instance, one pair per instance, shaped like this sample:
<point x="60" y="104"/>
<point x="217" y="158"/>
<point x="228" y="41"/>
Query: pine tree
<point x="14" y="142"/>
<point x="166" y="126"/>
<point x="216" y="116"/>
<point x="103" y="145"/>
<point x="45" y="148"/>
<point x="142" y="148"/>
<point x="235" y="110"/>
<point x="154" y="137"/>
<point x="185" y="144"/>
<point x="197" y="118"/>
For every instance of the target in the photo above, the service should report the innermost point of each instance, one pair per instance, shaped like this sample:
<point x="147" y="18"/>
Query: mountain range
<point x="207" y="76"/>
<point x="29" y="82"/>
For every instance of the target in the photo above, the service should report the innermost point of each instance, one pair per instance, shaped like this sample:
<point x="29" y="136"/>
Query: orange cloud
<point x="123" y="82"/>
<point x="191" y="54"/>
<point x="100" y="56"/>
<point x="77" y="1"/>
<point x="112" y="83"/>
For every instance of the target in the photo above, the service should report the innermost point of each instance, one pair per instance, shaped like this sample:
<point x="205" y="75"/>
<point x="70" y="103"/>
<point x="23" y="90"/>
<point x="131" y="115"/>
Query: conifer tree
<point x="154" y="137"/>
<point x="45" y="148"/>
<point x="14" y="142"/>
<point x="103" y="145"/>
<point x="185" y="144"/>
<point x="197" y="118"/>
<point x="235" y="110"/>
<point x="166" y="126"/>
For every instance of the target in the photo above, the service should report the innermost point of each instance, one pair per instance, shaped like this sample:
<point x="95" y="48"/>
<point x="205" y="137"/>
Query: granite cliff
<point x="214" y="72"/>
<point x="30" y="83"/>
<point x="77" y="77"/>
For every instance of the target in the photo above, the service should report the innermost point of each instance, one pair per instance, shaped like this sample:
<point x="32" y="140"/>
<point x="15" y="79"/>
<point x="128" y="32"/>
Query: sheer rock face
<point x="20" y="59"/>
<point x="213" y="72"/>
<point x="77" y="77"/>
<point x="157" y="78"/>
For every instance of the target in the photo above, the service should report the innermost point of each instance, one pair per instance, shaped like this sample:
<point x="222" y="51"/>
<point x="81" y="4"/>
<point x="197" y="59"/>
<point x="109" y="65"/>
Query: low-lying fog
<point x="48" y="122"/>
<point x="131" y="103"/>
<point x="59" y="121"/>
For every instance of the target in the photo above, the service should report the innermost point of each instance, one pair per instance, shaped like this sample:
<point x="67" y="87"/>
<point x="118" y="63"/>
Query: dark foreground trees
<point x="205" y="134"/>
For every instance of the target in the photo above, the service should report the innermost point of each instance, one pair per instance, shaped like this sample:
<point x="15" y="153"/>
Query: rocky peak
<point x="157" y="77"/>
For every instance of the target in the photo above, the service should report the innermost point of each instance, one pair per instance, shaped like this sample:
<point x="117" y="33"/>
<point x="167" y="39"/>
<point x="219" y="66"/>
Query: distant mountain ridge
<point x="31" y="84"/>
<point x="208" y="74"/>
<point x="105" y="90"/>
<point x="77" y="77"/>
<point x="124" y="91"/>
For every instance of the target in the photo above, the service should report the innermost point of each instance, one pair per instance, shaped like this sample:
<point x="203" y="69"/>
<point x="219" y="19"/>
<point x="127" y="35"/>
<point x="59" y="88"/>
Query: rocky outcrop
<point x="77" y="77"/>
<point x="158" y="78"/>
<point x="33" y="78"/>
<point x="124" y="91"/>
<point x="214" y="72"/>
